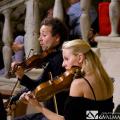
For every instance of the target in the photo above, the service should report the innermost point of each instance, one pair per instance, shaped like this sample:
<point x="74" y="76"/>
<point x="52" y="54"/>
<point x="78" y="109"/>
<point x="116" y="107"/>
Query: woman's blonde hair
<point x="91" y="62"/>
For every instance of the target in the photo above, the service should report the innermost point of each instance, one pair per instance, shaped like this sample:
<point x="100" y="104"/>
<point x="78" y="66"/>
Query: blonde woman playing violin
<point x="91" y="92"/>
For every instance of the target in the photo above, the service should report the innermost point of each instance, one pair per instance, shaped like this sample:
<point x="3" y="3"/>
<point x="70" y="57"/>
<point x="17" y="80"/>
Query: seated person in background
<point x="74" y="12"/>
<point x="91" y="88"/>
<point x="18" y="49"/>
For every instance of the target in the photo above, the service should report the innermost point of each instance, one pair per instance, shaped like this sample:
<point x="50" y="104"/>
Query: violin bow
<point x="13" y="90"/>
<point x="54" y="97"/>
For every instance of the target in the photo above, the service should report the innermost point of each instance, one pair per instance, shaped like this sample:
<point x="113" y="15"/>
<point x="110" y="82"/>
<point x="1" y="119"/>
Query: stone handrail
<point x="32" y="23"/>
<point x="9" y="4"/>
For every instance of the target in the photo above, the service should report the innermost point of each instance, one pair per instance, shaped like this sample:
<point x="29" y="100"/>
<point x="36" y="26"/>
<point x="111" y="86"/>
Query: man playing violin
<point x="53" y="33"/>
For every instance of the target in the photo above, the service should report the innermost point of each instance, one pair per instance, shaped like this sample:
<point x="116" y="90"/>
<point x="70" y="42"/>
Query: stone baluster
<point x="58" y="10"/>
<point x="114" y="14"/>
<point x="7" y="40"/>
<point x="84" y="18"/>
<point x="32" y="24"/>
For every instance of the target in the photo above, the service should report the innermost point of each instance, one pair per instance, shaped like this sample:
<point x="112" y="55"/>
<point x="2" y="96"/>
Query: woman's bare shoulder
<point x="76" y="88"/>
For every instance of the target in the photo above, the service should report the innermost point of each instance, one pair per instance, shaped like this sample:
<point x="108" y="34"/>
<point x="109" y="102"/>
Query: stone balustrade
<point x="31" y="27"/>
<point x="33" y="19"/>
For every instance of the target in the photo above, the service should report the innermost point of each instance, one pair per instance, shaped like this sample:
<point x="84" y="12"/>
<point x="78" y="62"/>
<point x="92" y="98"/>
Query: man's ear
<point x="57" y="38"/>
<point x="81" y="57"/>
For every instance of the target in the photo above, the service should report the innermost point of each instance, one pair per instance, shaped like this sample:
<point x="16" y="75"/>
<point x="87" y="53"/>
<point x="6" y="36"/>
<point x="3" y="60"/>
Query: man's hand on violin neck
<point x="17" y="69"/>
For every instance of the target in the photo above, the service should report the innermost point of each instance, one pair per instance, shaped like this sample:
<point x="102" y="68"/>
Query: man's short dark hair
<point x="58" y="27"/>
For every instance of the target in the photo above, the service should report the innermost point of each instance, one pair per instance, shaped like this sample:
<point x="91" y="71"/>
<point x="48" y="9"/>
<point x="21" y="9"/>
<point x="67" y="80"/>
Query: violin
<point x="34" y="61"/>
<point x="48" y="89"/>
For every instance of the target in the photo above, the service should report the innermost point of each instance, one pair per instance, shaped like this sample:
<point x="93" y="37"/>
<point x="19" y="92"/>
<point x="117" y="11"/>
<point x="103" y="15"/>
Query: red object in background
<point x="104" y="21"/>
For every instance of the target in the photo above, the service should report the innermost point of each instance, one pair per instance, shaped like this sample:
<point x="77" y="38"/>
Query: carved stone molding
<point x="9" y="4"/>
<point x="3" y="2"/>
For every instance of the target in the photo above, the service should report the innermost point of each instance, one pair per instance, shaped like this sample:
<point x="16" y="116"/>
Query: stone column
<point x="32" y="24"/>
<point x="114" y="14"/>
<point x="7" y="40"/>
<point x="58" y="10"/>
<point x="84" y="18"/>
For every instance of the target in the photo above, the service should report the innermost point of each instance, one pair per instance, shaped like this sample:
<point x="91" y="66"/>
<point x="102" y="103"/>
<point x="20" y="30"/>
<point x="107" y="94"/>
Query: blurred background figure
<point x="91" y="37"/>
<point x="50" y="12"/>
<point x="18" y="52"/>
<point x="74" y="12"/>
<point x="18" y="49"/>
